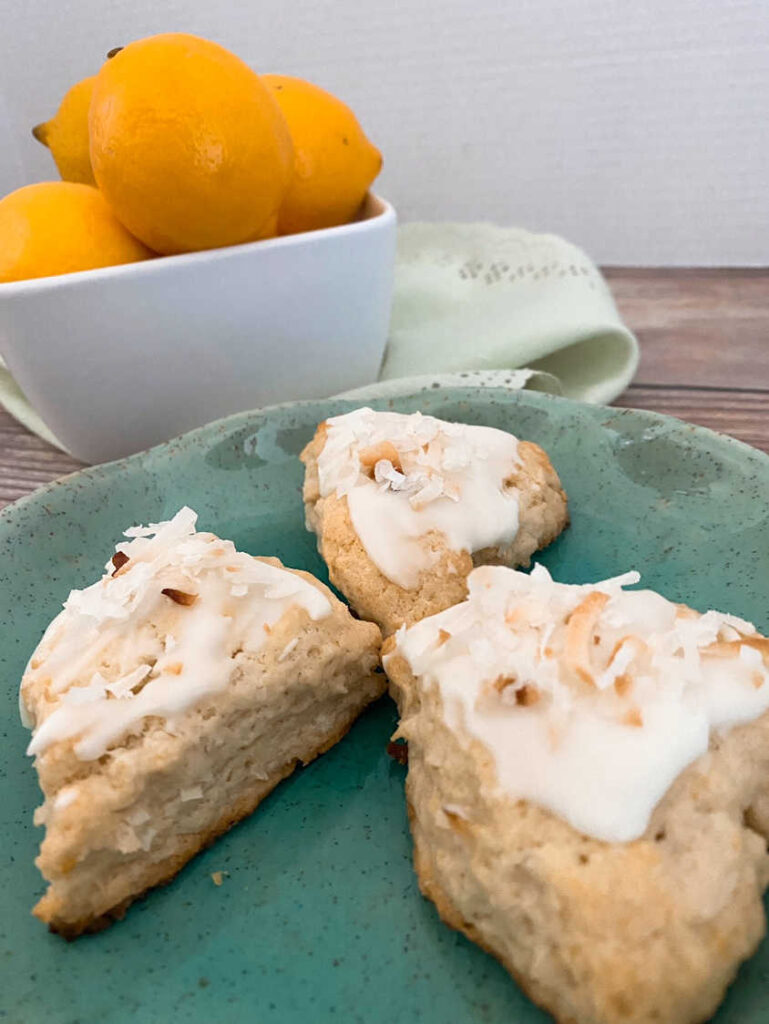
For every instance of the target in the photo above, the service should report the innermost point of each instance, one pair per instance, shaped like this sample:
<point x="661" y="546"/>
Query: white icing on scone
<point x="154" y="636"/>
<point x="405" y="476"/>
<point x="591" y="699"/>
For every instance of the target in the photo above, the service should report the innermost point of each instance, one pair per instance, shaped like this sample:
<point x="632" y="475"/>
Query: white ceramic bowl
<point x="118" y="359"/>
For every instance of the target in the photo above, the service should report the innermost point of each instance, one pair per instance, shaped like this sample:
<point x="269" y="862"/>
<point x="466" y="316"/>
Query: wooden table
<point x="704" y="338"/>
<point x="704" y="357"/>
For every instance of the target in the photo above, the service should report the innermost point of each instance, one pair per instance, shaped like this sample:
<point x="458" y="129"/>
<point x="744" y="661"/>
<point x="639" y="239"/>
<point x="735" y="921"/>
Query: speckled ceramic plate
<point x="319" y="918"/>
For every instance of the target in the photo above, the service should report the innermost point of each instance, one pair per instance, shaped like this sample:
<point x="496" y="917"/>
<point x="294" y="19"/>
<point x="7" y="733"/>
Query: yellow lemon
<point x="334" y="162"/>
<point x="57" y="227"/>
<point x="270" y="229"/>
<point x="66" y="134"/>
<point x="188" y="144"/>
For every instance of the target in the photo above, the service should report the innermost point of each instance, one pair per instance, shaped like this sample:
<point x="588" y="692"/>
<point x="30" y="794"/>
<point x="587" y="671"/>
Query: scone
<point x="405" y="506"/>
<point x="588" y="787"/>
<point x="168" y="699"/>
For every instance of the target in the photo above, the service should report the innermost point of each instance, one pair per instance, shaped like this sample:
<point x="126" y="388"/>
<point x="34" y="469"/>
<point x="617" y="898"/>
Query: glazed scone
<point x="168" y="699"/>
<point x="588" y="790"/>
<point x="405" y="506"/>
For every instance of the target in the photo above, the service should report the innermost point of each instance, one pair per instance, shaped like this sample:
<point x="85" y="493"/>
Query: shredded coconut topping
<point x="404" y="476"/>
<point x="154" y="636"/>
<point x="592" y="699"/>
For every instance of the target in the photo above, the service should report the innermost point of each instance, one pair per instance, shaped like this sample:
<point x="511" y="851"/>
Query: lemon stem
<point x="40" y="131"/>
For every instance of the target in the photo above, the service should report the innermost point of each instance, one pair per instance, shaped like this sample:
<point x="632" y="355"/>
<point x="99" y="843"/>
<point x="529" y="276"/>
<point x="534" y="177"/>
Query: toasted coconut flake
<point x="579" y="632"/>
<point x="518" y="616"/>
<point x="443" y="637"/>
<point x="384" y="450"/>
<point x="119" y="559"/>
<point x="623" y="685"/>
<point x="632" y="640"/>
<point x="683" y="611"/>
<point x="624" y="652"/>
<point x="633" y="717"/>
<point x="527" y="695"/>
<point x="398" y="752"/>
<point x="501" y="683"/>
<point x="731" y="648"/>
<point x="179" y="596"/>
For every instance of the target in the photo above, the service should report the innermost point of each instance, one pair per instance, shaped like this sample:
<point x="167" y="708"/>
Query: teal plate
<point x="319" y="918"/>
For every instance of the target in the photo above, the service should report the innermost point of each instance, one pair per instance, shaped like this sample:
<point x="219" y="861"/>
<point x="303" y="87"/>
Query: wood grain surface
<point x="704" y="338"/>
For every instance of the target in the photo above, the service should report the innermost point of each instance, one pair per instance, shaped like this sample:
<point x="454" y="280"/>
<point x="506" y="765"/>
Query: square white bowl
<point x="121" y="358"/>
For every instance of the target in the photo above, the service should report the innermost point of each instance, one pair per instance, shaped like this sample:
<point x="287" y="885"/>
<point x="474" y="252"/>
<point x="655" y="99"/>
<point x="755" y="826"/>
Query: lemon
<point x="66" y="134"/>
<point x="188" y="144"/>
<point x="334" y="162"/>
<point x="57" y="227"/>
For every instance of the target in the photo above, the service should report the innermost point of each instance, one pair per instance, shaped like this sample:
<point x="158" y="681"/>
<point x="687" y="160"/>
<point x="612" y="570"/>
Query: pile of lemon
<point x="176" y="145"/>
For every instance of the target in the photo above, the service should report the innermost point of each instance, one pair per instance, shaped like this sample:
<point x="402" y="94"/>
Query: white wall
<point x="637" y="128"/>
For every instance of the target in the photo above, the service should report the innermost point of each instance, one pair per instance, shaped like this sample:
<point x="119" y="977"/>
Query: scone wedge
<point x="588" y="790"/>
<point x="168" y="699"/>
<point x="405" y="505"/>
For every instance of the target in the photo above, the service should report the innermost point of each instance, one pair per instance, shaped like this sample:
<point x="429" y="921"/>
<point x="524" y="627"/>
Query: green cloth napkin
<point x="482" y="297"/>
<point x="17" y="404"/>
<point x="477" y="297"/>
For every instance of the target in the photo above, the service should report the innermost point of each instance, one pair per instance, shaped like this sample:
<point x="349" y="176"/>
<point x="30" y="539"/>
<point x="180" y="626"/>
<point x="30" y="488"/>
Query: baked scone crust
<point x="646" y="932"/>
<point x="542" y="511"/>
<point x="187" y="847"/>
<point x="132" y="825"/>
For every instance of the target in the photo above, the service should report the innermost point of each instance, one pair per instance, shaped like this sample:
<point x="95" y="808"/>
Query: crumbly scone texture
<point x="142" y="810"/>
<point x="542" y="511"/>
<point x="646" y="932"/>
